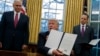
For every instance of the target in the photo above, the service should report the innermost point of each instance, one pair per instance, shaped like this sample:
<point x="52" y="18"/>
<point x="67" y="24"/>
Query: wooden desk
<point x="32" y="47"/>
<point x="14" y="53"/>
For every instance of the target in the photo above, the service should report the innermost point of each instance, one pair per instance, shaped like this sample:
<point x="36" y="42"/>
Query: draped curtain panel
<point x="88" y="6"/>
<point x="73" y="11"/>
<point x="34" y="13"/>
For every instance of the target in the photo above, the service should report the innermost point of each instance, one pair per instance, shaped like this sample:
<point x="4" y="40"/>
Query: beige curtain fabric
<point x="73" y="11"/>
<point x="88" y="6"/>
<point x="34" y="13"/>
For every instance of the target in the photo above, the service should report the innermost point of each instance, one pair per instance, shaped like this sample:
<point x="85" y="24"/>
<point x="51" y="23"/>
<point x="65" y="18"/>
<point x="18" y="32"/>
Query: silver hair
<point x="17" y="1"/>
<point x="53" y="19"/>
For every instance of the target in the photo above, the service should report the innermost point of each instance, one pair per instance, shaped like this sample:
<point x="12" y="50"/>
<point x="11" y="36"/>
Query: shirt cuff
<point x="50" y="52"/>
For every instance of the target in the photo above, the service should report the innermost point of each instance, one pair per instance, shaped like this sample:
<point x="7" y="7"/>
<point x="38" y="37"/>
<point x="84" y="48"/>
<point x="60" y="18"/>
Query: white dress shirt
<point x="18" y="15"/>
<point x="81" y="27"/>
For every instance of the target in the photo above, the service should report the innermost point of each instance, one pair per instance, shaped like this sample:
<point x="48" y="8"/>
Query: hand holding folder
<point x="61" y="41"/>
<point x="90" y="44"/>
<point x="86" y="46"/>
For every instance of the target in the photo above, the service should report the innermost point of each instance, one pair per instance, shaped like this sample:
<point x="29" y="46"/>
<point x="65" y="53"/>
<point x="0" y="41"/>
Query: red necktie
<point x="16" y="20"/>
<point x="82" y="31"/>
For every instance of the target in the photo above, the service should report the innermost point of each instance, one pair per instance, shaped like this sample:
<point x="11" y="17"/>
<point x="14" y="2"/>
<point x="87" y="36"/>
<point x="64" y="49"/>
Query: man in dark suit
<point x="43" y="36"/>
<point x="14" y="29"/>
<point x="85" y="35"/>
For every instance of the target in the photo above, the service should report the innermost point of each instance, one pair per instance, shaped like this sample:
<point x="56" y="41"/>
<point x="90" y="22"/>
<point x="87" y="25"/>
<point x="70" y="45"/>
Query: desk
<point x="14" y="53"/>
<point x="32" y="47"/>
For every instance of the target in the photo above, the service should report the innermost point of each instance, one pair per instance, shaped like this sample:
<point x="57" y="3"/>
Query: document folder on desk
<point x="61" y="41"/>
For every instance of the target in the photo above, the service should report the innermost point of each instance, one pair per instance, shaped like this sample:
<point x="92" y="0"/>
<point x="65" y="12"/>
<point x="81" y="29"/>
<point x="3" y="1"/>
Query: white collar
<point x="83" y="25"/>
<point x="16" y="12"/>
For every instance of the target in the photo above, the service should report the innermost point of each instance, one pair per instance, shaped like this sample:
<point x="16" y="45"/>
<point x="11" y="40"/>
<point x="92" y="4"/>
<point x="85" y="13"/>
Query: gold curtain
<point x="88" y="6"/>
<point x="34" y="13"/>
<point x="74" y="9"/>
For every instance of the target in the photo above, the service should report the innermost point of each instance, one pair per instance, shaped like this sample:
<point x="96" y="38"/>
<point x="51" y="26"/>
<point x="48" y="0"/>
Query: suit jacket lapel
<point x="79" y="29"/>
<point x="86" y="29"/>
<point x="12" y="18"/>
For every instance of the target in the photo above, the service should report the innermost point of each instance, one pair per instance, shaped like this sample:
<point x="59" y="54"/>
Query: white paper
<point x="67" y="43"/>
<point x="94" y="42"/>
<point x="53" y="39"/>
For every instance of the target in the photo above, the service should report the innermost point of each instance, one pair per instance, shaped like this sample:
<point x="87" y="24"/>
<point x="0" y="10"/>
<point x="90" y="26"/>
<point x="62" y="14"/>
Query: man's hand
<point x="88" y="47"/>
<point x="57" y="53"/>
<point x="0" y="44"/>
<point x="24" y="47"/>
<point x="72" y="53"/>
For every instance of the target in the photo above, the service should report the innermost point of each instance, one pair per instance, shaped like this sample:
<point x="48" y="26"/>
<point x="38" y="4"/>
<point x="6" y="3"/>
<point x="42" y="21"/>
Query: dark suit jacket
<point x="88" y="36"/>
<point x="12" y="36"/>
<point x="41" y="43"/>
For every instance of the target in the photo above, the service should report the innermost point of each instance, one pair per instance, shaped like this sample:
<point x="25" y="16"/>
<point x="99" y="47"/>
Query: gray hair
<point x="17" y="1"/>
<point x="53" y="19"/>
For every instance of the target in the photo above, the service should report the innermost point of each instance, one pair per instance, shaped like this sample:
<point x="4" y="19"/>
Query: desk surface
<point x="14" y="53"/>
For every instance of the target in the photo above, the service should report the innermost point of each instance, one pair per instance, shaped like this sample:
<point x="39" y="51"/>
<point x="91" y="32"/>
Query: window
<point x="52" y="9"/>
<point x="5" y="5"/>
<point x="95" y="23"/>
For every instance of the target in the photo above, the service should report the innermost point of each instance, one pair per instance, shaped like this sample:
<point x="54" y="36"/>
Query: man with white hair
<point x="14" y="30"/>
<point x="43" y="36"/>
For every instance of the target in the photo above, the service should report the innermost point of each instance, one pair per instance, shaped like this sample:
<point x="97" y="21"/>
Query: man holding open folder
<point x="43" y="36"/>
<point x="85" y="35"/>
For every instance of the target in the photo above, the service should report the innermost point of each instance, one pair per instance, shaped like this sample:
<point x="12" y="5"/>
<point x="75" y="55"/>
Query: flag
<point x="23" y="10"/>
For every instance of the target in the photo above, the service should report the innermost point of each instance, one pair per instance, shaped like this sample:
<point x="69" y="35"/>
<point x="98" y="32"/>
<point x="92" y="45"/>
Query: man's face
<point x="84" y="19"/>
<point x="17" y="6"/>
<point x="52" y="25"/>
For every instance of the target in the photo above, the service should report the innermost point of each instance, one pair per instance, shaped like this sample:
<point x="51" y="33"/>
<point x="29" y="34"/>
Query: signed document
<point x="61" y="41"/>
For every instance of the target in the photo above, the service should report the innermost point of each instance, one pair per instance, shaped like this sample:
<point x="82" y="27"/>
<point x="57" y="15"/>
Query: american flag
<point x="23" y="10"/>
